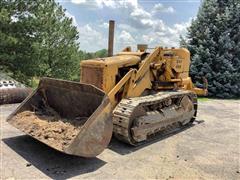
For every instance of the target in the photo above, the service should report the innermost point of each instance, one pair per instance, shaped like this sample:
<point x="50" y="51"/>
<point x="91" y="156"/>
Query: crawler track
<point x="139" y="119"/>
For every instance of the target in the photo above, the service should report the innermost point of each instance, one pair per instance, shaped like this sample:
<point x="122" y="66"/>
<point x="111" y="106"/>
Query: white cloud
<point x="159" y="26"/>
<point x="132" y="10"/>
<point x="182" y="27"/>
<point x="78" y="1"/>
<point x="125" y="38"/>
<point x="136" y="26"/>
<point x="126" y="27"/>
<point x="179" y="28"/>
<point x="107" y="3"/>
<point x="104" y="25"/>
<point x="140" y="13"/>
<point x="167" y="36"/>
<point x="90" y="39"/>
<point x="159" y="8"/>
<point x="147" y="39"/>
<point x="139" y="18"/>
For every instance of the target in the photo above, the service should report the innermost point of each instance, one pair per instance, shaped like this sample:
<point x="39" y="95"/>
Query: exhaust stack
<point x="111" y="37"/>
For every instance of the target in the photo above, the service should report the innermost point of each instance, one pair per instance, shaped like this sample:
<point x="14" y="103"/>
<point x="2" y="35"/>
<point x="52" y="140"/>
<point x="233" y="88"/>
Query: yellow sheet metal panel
<point x="102" y="72"/>
<point x="119" y="61"/>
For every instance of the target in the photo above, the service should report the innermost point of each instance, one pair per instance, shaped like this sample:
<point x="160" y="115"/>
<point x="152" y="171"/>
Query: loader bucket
<point x="70" y="117"/>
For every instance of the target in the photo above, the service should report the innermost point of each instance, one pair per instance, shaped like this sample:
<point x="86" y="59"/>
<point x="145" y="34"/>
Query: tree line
<point x="37" y="39"/>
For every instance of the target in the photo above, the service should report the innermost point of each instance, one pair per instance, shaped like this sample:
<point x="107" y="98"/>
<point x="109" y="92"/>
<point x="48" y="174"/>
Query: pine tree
<point x="37" y="40"/>
<point x="182" y="42"/>
<point x="214" y="43"/>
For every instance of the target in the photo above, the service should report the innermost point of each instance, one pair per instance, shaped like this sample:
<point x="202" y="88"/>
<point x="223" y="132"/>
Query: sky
<point x="152" y="22"/>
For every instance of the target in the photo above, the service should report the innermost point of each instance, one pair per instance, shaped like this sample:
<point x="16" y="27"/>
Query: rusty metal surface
<point x="71" y="100"/>
<point x="111" y="37"/>
<point x="13" y="95"/>
<point x="92" y="75"/>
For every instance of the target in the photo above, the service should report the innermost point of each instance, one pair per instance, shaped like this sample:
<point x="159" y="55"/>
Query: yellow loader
<point x="133" y="95"/>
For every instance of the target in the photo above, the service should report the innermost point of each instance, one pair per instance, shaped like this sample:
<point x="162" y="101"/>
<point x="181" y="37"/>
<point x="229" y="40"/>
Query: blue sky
<point x="154" y="22"/>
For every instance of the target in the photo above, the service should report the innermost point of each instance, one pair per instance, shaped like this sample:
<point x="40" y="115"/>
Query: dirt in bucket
<point x="49" y="127"/>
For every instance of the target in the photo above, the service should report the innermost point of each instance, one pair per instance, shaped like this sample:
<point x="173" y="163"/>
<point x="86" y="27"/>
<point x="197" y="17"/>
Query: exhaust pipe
<point x="111" y="38"/>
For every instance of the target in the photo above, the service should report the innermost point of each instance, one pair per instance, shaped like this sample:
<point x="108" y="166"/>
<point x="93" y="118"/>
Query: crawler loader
<point x="133" y="95"/>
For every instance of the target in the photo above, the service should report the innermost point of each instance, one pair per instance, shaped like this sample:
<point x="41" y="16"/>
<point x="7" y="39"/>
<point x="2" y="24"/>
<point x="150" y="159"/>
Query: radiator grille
<point x="92" y="75"/>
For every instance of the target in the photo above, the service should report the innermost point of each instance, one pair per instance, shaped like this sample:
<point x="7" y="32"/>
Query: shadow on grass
<point x="123" y="148"/>
<point x="53" y="163"/>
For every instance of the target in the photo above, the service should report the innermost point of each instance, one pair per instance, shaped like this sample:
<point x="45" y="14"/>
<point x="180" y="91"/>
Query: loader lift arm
<point x="137" y="80"/>
<point x="134" y="82"/>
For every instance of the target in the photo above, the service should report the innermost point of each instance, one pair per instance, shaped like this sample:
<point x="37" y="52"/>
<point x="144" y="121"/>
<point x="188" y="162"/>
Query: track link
<point x="139" y="119"/>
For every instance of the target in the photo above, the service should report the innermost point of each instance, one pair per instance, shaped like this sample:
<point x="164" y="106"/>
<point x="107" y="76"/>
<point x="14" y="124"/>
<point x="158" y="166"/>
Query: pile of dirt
<point x="50" y="129"/>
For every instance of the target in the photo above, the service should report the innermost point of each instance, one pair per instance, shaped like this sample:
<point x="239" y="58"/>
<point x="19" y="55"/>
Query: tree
<point x="98" y="54"/>
<point x="214" y="42"/>
<point x="37" y="39"/>
<point x="183" y="43"/>
<point x="7" y="39"/>
<point x="101" y="53"/>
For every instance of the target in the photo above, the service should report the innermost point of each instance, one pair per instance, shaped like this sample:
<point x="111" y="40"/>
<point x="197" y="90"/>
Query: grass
<point x="34" y="82"/>
<point x="203" y="99"/>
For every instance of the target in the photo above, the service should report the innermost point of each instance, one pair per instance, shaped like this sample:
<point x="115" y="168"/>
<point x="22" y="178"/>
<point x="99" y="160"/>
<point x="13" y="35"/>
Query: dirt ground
<point x="209" y="149"/>
<point x="48" y="128"/>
